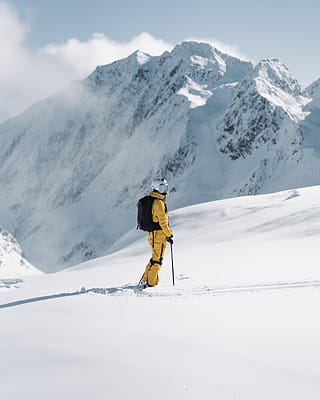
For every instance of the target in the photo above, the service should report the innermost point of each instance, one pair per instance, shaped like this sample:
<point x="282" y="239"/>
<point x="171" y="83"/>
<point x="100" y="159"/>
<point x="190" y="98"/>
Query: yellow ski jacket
<point x="159" y="213"/>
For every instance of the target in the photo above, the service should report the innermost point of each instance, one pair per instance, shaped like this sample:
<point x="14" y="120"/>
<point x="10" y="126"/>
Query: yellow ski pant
<point x="158" y="243"/>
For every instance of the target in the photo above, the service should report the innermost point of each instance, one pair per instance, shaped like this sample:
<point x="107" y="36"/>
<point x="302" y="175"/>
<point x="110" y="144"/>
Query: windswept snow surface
<point x="241" y="323"/>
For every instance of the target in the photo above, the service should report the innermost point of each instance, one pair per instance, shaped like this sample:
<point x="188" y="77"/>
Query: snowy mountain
<point x="310" y="125"/>
<point x="241" y="322"/>
<point x="313" y="90"/>
<point x="13" y="265"/>
<point x="260" y="108"/>
<point x="262" y="125"/>
<point x="73" y="166"/>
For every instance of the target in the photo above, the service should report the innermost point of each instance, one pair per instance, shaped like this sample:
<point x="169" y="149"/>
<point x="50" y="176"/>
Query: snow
<point x="142" y="58"/>
<point x="282" y="90"/>
<point x="241" y="322"/>
<point x="196" y="94"/>
<point x="13" y="265"/>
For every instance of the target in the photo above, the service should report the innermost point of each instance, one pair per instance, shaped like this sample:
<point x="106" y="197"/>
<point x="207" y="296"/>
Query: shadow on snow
<point x="184" y="292"/>
<point x="111" y="290"/>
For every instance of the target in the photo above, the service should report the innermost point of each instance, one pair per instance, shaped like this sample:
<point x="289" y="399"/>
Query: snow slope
<point x="13" y="265"/>
<point x="241" y="322"/>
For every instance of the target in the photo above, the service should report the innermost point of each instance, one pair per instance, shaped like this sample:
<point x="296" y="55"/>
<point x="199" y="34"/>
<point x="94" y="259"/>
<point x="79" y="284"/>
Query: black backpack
<point x="144" y="217"/>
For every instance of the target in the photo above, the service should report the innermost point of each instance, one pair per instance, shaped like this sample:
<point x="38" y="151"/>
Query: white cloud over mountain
<point x="26" y="76"/>
<point x="29" y="75"/>
<point x="83" y="57"/>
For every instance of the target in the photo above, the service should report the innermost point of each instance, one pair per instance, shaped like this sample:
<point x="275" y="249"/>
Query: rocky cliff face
<point x="72" y="167"/>
<point x="263" y="105"/>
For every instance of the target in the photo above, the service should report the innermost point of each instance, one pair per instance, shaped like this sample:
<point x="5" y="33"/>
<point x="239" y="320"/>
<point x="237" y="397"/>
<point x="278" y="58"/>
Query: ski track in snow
<point x="173" y="291"/>
<point x="207" y="290"/>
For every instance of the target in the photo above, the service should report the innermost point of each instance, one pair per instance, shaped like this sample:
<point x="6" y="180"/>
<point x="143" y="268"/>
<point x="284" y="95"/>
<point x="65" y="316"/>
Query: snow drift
<point x="241" y="321"/>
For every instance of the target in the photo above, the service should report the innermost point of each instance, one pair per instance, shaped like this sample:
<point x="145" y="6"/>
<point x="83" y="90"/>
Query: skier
<point x="160" y="235"/>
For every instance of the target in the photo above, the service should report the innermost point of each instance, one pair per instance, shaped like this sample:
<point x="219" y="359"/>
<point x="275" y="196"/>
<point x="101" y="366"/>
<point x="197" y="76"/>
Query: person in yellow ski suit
<point x="158" y="238"/>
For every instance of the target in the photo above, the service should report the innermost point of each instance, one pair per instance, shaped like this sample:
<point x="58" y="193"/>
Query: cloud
<point x="83" y="57"/>
<point x="11" y="30"/>
<point x="28" y="75"/>
<point x="25" y="76"/>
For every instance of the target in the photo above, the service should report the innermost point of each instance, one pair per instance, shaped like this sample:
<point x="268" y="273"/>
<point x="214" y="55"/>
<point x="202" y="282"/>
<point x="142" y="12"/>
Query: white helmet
<point x="160" y="185"/>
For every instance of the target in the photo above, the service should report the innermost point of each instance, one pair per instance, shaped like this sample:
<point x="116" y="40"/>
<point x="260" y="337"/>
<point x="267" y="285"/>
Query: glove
<point x="170" y="239"/>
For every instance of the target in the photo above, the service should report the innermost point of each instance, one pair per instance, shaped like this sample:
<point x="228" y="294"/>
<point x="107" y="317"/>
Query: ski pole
<point x="172" y="264"/>
<point x="141" y="279"/>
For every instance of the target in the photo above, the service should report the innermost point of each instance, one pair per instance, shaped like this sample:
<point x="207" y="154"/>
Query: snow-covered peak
<point x="12" y="263"/>
<point x="187" y="58"/>
<point x="204" y="57"/>
<point x="276" y="73"/>
<point x="134" y="60"/>
<point x="191" y="69"/>
<point x="201" y="68"/>
<point x="198" y="53"/>
<point x="118" y="71"/>
<point x="274" y="82"/>
<point x="264" y="106"/>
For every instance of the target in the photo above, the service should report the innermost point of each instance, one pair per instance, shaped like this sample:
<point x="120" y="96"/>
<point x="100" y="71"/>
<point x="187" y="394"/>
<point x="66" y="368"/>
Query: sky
<point x="45" y="44"/>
